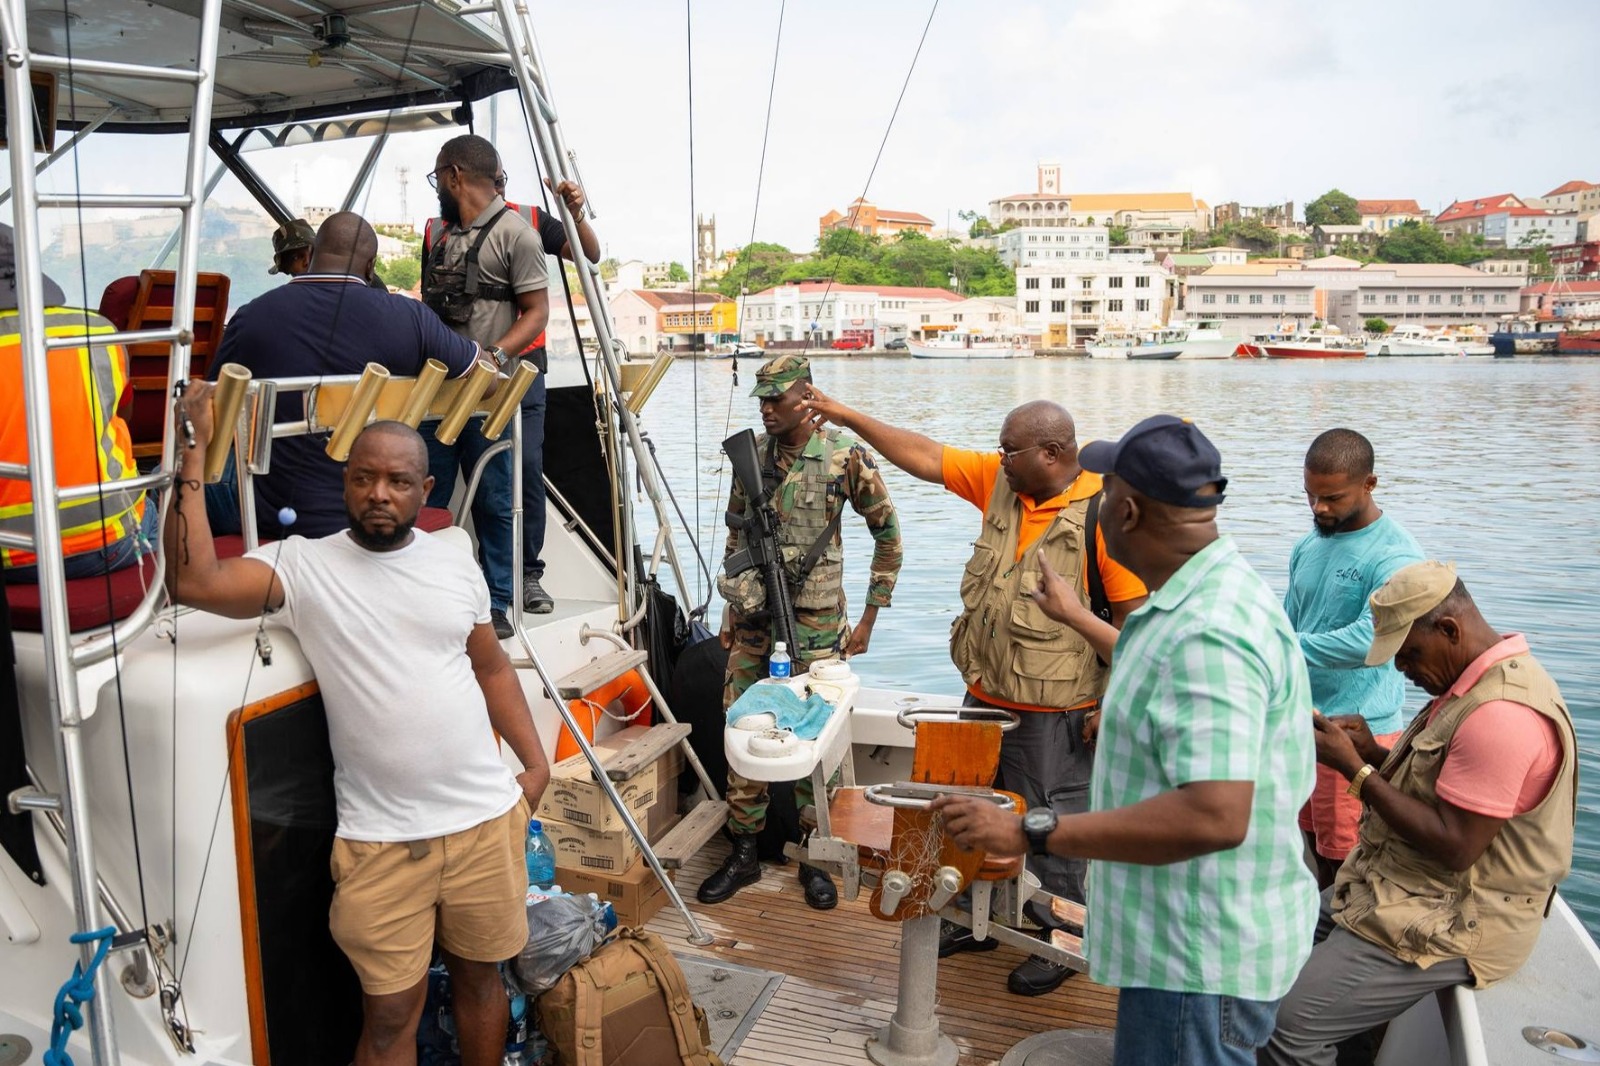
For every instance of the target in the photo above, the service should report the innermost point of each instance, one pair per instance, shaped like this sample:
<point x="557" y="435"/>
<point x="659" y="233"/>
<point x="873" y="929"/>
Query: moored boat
<point x="1584" y="340"/>
<point x="965" y="345"/>
<point x="1205" y="340"/>
<point x="1144" y="344"/>
<point x="1410" y="339"/>
<point x="1313" y="344"/>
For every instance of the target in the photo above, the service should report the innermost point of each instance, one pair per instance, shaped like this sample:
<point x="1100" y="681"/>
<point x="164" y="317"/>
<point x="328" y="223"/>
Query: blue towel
<point x="805" y="717"/>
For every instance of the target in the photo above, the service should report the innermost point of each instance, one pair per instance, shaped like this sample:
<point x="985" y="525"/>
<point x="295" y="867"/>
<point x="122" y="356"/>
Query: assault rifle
<point x="759" y="524"/>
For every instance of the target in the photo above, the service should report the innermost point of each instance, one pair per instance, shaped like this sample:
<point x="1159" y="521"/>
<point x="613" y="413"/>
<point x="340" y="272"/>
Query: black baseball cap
<point x="1165" y="457"/>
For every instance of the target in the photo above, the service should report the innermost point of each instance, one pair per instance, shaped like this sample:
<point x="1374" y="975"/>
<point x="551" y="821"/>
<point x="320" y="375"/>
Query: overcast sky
<point x="1249" y="100"/>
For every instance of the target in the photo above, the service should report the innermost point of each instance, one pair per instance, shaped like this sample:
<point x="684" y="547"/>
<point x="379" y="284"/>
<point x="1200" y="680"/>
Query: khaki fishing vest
<point x="806" y="501"/>
<point x="1002" y="642"/>
<point x="1392" y="895"/>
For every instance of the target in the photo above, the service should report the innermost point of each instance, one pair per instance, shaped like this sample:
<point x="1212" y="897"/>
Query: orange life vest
<point x="530" y="215"/>
<point x="91" y="443"/>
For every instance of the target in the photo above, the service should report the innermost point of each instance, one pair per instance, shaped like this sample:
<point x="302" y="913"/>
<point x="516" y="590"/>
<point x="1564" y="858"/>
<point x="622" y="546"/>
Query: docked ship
<point x="963" y="344"/>
<point x="1304" y="344"/>
<point x="1143" y="344"/>
<point x="1410" y="339"/>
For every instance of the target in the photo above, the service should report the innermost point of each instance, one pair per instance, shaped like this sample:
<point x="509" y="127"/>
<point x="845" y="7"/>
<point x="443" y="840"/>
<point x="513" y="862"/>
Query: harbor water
<point x="1491" y="464"/>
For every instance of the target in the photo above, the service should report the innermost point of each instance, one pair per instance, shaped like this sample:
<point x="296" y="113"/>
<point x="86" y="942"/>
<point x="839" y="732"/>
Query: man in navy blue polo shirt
<point x="325" y="321"/>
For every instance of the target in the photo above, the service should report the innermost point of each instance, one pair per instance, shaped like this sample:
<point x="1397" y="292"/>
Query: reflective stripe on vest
<point x="1390" y="893"/>
<point x="92" y="444"/>
<point x="1003" y="642"/>
<point x="530" y="215"/>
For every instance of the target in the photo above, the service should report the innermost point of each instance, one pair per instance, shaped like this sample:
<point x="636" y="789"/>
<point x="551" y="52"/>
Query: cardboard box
<point x="663" y="813"/>
<point x="575" y="798"/>
<point x="581" y="848"/>
<point x="635" y="894"/>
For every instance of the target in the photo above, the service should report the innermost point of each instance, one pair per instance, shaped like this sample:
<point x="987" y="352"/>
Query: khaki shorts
<point x="468" y="890"/>
<point x="1332" y="814"/>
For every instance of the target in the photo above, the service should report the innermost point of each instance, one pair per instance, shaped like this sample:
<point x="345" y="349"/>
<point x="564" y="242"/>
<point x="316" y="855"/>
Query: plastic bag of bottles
<point x="561" y="930"/>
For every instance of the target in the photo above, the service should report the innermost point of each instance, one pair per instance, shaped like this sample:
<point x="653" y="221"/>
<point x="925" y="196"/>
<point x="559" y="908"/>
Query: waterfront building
<point x="653" y="320"/>
<point x="874" y="221"/>
<point x="1258" y="298"/>
<point x="1579" y="259"/>
<point x="1381" y="216"/>
<point x="1062" y="304"/>
<point x="817" y="313"/>
<point x="1560" y="298"/>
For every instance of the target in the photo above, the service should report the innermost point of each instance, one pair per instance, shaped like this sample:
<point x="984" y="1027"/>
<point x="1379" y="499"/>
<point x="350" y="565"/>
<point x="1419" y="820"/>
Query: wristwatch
<point x="1360" y="779"/>
<point x="497" y="353"/>
<point x="1037" y="825"/>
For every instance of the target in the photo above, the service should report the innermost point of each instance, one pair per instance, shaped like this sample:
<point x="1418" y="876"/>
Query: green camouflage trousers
<point x="821" y="635"/>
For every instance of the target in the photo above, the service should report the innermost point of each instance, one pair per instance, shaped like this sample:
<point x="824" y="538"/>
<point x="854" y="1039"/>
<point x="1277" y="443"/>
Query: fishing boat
<point x="1205" y="339"/>
<point x="1408" y="339"/>
<point x="1526" y="335"/>
<point x="966" y="344"/>
<point x="1305" y="344"/>
<point x="1143" y="344"/>
<point x="176" y="789"/>
<point x="1579" y="338"/>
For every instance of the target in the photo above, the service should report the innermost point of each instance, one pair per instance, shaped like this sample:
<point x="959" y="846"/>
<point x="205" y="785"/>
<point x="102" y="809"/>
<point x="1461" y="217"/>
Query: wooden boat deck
<point x="842" y="971"/>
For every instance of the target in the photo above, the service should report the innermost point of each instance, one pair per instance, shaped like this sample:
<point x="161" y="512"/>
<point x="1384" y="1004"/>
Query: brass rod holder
<point x="355" y="416"/>
<point x="232" y="382"/>
<point x="423" y="392"/>
<point x="509" y="399"/>
<point x="647" y="384"/>
<point x="473" y="386"/>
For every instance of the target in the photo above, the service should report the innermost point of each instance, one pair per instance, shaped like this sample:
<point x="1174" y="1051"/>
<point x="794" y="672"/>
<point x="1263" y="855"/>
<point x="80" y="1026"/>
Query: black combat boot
<point x="740" y="868"/>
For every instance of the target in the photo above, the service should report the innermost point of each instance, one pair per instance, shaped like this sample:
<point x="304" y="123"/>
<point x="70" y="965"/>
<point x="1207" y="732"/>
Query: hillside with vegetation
<point x="852" y="258"/>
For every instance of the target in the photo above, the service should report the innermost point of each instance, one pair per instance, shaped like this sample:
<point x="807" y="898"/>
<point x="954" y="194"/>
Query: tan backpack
<point x="627" y="1004"/>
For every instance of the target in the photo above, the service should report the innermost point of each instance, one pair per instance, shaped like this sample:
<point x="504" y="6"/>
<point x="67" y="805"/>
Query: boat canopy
<point x="278" y="61"/>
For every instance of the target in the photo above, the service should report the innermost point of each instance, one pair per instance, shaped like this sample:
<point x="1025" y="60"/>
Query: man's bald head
<point x="1043" y="420"/>
<point x="346" y="244"/>
<point x="389" y="435"/>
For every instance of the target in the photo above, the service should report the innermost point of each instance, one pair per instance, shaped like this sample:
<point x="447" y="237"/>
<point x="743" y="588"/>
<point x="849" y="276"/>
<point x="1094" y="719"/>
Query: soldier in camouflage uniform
<point x="816" y="472"/>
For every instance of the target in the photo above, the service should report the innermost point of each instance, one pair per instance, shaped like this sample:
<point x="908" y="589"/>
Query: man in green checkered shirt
<point x="1201" y="906"/>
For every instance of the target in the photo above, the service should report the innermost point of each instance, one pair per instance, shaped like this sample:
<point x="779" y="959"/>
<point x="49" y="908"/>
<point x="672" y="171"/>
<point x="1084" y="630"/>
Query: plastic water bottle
<point x="778" y="665"/>
<point x="517" y="1033"/>
<point x="540" y="856"/>
<point x="604" y="912"/>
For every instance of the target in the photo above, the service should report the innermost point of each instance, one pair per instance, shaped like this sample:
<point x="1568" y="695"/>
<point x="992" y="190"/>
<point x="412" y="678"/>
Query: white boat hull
<point x="921" y="350"/>
<point x="1209" y="348"/>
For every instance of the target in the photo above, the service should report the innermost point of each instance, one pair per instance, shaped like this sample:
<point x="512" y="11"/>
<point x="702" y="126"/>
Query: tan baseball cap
<point x="1412" y="592"/>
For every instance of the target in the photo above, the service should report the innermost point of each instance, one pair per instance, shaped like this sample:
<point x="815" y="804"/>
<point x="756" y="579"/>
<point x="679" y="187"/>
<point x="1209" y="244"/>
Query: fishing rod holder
<point x="919" y="795"/>
<point x="912" y="711"/>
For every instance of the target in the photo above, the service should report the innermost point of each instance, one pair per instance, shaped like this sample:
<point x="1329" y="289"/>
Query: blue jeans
<point x="1190" y="1028"/>
<point x="115" y="556"/>
<point x="533" y="477"/>
<point x="491" y="508"/>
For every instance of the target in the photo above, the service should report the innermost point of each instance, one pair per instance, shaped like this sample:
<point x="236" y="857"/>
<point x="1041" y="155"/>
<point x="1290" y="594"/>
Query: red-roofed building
<point x="1581" y="259"/>
<point x="817" y="313"/>
<point x="874" y="221"/>
<point x="1505" y="221"/>
<point x="1559" y="297"/>
<point x="1579" y="196"/>
<point x="1381" y="216"/>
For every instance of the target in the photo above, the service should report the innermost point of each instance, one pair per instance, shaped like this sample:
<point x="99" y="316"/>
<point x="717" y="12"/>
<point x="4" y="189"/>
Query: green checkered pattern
<point x="1207" y="684"/>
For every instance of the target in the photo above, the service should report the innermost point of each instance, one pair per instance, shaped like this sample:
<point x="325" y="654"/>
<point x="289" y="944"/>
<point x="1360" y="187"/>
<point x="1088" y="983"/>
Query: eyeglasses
<point x="500" y="182"/>
<point x="433" y="175"/>
<point x="1011" y="453"/>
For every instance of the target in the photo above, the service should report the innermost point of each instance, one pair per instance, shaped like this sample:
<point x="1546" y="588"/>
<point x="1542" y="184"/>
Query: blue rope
<point x="78" y="990"/>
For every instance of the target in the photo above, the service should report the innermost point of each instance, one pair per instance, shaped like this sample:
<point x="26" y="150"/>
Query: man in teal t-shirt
<point x="1333" y="571"/>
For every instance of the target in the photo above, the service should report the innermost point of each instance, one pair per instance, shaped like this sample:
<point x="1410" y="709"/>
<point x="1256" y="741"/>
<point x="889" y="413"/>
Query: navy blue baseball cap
<point x="1165" y="457"/>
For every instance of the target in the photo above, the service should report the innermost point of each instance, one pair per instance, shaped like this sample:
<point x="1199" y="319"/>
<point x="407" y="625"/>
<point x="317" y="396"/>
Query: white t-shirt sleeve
<point x="284" y="559"/>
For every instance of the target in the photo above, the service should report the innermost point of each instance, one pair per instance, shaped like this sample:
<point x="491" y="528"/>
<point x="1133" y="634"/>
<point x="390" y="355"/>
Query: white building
<point x="1031" y="245"/>
<point x="1255" y="298"/>
<point x="1158" y="216"/>
<point x="1063" y="304"/>
<point x="1227" y="255"/>
<point x="815" y="312"/>
<point x="1529" y="228"/>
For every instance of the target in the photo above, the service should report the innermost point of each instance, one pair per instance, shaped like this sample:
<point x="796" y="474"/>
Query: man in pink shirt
<point x="1468" y="824"/>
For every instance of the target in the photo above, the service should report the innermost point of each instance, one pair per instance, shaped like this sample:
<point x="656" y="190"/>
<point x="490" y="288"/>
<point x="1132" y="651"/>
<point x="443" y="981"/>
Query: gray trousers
<point x="1045" y="761"/>
<point x="1347" y="987"/>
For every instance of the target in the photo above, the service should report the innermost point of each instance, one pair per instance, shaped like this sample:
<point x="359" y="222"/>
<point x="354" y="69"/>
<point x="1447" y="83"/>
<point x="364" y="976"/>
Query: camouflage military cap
<point x="776" y="375"/>
<point x="290" y="237"/>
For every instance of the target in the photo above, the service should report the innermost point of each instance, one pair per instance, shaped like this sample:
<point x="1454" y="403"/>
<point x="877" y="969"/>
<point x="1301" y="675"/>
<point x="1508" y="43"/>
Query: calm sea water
<point x="1493" y="464"/>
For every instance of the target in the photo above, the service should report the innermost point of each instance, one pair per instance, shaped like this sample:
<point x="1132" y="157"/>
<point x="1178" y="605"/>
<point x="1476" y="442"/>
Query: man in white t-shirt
<point x="395" y="624"/>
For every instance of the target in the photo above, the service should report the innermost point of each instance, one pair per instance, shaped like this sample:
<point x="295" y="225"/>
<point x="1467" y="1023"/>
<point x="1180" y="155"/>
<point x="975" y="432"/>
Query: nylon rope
<point x="755" y="214"/>
<point x="694" y="264"/>
<point x="879" y="157"/>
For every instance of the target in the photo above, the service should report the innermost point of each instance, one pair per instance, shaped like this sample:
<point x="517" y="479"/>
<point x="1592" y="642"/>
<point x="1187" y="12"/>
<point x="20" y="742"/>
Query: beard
<point x="375" y="541"/>
<point x="449" y="208"/>
<point x="1341" y="526"/>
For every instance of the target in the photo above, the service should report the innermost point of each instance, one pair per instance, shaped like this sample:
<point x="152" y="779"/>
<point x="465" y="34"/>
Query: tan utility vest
<point x="1002" y="642"/>
<point x="1389" y="893"/>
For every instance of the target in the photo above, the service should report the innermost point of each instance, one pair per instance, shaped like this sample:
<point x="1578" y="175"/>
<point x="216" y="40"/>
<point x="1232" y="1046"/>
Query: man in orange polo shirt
<point x="1011" y="654"/>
